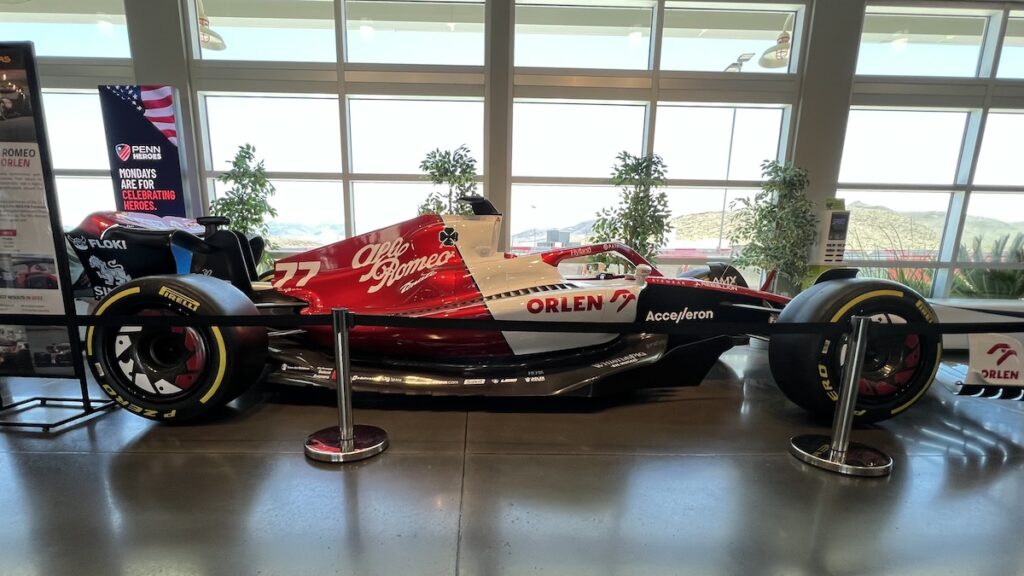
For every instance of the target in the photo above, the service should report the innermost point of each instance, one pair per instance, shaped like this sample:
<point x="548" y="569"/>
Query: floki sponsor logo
<point x="386" y="266"/>
<point x="83" y="243"/>
<point x="677" y="317"/>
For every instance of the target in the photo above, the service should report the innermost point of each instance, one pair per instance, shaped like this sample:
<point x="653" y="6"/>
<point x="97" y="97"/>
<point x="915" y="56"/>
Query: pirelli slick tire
<point x="174" y="374"/>
<point x="897" y="369"/>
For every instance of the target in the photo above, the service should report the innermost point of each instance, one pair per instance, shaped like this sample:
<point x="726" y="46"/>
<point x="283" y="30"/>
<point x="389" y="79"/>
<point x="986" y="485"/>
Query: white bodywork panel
<point x="498" y="278"/>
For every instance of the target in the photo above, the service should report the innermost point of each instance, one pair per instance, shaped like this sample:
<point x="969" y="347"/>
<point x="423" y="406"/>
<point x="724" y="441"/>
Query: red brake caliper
<point x="911" y="358"/>
<point x="195" y="361"/>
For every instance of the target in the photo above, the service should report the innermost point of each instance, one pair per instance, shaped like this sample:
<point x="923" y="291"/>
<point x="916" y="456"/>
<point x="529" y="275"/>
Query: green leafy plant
<point x="247" y="201"/>
<point x="456" y="169"/>
<point x="988" y="282"/>
<point x="641" y="220"/>
<point x="778" y="226"/>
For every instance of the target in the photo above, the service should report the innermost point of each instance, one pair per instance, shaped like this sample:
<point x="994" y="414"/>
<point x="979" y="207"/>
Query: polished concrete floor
<point x="686" y="481"/>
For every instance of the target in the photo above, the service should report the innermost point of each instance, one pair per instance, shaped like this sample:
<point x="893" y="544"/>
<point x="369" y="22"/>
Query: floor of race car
<point x="681" y="481"/>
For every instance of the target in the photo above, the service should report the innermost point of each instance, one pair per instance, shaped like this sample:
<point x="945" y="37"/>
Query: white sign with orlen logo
<point x="995" y="359"/>
<point x="386" y="267"/>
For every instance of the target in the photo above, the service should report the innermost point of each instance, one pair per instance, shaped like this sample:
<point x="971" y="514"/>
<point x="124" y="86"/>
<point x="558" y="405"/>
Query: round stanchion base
<point x="326" y="445"/>
<point x="859" y="460"/>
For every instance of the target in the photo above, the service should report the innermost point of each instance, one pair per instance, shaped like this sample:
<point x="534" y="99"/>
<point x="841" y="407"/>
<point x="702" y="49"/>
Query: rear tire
<point x="897" y="369"/>
<point x="175" y="373"/>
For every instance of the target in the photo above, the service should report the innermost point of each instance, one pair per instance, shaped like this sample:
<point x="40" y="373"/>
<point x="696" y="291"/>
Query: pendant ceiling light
<point x="778" y="56"/>
<point x="208" y="39"/>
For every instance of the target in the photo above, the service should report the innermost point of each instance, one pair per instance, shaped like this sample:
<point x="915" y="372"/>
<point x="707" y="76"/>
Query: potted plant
<point x="247" y="201"/>
<point x="641" y="220"/>
<point x="991" y="282"/>
<point x="456" y="169"/>
<point x="777" y="227"/>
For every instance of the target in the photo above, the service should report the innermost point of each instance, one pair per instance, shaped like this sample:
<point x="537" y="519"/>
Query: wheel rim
<point x="161" y="363"/>
<point x="890" y="362"/>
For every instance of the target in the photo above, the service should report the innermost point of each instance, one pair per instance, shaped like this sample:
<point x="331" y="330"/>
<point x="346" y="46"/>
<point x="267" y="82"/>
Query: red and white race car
<point x="450" y="267"/>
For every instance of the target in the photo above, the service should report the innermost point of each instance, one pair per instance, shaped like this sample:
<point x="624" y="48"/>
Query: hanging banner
<point x="142" y="142"/>
<point x="32" y="269"/>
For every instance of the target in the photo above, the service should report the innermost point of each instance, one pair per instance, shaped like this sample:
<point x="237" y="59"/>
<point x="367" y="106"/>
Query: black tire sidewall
<point x="233" y="353"/>
<point x="807" y="367"/>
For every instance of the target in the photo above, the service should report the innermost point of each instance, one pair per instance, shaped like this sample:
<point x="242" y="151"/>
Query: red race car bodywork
<point x="435" y="266"/>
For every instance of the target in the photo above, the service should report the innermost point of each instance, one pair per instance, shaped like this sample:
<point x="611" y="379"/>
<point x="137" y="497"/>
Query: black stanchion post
<point x="346" y="442"/>
<point x="837" y="453"/>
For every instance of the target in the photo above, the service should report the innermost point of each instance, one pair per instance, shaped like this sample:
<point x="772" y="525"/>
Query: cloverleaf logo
<point x="448" y="236"/>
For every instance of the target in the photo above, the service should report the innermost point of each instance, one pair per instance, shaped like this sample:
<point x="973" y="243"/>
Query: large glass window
<point x="83" y="28"/>
<point x="573" y="139"/>
<point x="79" y="197"/>
<point x="300" y="134"/>
<point x="921" y="42"/>
<point x="417" y="32"/>
<point x="993" y="234"/>
<point x="902" y="226"/>
<point x="381" y="204"/>
<point x="717" y="143"/>
<point x="1011" y="62"/>
<point x="702" y="221"/>
<point x="902" y="146"/>
<point x="556" y="216"/>
<point x="310" y="213"/>
<point x="74" y="125"/>
<point x="574" y="35"/>
<point x="392" y="136"/>
<point x="726" y="40"/>
<point x="992" y="227"/>
<point x="274" y="30"/>
<point x="1000" y="160"/>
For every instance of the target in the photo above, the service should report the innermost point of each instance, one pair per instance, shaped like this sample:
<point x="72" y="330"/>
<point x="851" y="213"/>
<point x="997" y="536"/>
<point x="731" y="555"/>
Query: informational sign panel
<point x="142" y="142"/>
<point x="31" y="269"/>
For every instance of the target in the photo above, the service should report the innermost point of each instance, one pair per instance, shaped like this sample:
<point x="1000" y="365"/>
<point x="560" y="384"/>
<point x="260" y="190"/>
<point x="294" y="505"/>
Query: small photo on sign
<point x="28" y="272"/>
<point x="16" y="123"/>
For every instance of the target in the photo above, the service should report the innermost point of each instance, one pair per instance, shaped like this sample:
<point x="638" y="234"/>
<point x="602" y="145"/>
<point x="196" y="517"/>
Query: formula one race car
<point x="449" y="267"/>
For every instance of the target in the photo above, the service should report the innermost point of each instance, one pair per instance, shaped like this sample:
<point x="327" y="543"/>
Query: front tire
<point x="897" y="369"/>
<point x="175" y="373"/>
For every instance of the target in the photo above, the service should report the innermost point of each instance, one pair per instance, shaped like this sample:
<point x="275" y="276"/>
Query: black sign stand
<point x="87" y="406"/>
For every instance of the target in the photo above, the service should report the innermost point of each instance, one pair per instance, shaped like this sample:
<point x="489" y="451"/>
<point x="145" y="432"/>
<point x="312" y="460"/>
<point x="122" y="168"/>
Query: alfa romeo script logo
<point x="388" y="262"/>
<point x="448" y="236"/>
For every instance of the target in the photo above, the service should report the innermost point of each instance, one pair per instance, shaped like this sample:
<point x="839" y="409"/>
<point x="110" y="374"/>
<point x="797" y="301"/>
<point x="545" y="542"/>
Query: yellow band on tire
<point x="865" y="296"/>
<point x="102" y="308"/>
<point x="222" y="364"/>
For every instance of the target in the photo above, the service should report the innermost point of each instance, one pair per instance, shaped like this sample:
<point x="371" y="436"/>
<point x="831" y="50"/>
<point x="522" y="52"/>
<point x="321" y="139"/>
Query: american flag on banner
<point x="155" y="102"/>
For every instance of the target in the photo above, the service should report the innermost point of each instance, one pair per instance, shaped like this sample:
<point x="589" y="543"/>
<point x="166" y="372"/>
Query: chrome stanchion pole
<point x="837" y="453"/>
<point x="346" y="442"/>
